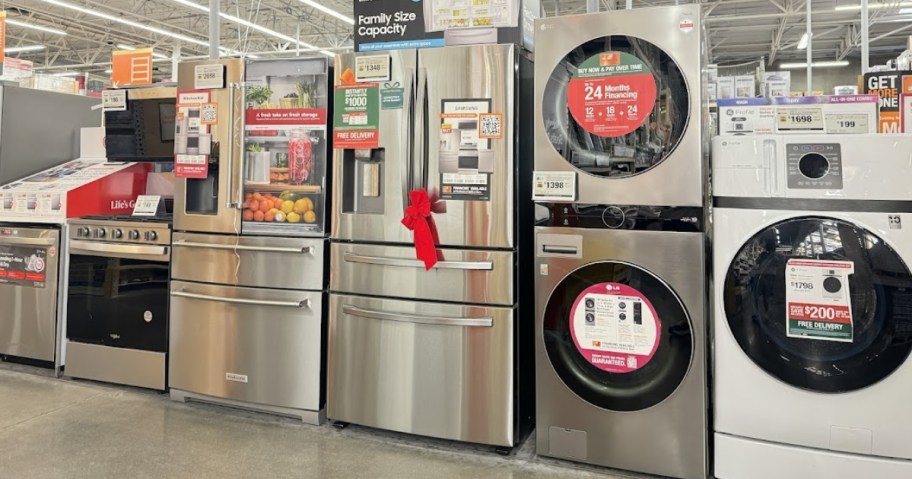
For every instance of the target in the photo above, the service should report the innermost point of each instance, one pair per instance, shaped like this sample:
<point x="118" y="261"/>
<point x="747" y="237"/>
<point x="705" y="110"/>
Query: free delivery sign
<point x="392" y="25"/>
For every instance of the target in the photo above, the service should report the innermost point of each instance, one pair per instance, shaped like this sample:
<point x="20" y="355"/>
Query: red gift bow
<point x="418" y="219"/>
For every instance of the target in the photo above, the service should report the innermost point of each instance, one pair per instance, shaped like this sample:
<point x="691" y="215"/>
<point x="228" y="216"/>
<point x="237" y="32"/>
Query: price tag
<point x="209" y="76"/>
<point x="848" y="123"/>
<point x="373" y="68"/>
<point x="114" y="100"/>
<point x="818" y="304"/>
<point x="146" y="205"/>
<point x="800" y="119"/>
<point x="554" y="186"/>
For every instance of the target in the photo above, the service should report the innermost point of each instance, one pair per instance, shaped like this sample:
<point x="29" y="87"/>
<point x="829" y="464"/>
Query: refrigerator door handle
<point x="304" y="303"/>
<point x="231" y="203"/>
<point x="242" y="94"/>
<point x="262" y="249"/>
<point x="422" y="129"/>
<point x="414" y="263"/>
<point x="483" y="322"/>
<point x="406" y="173"/>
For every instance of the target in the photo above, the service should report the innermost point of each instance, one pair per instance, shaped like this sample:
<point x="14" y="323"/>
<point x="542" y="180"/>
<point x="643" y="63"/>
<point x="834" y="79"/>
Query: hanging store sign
<point x="392" y="25"/>
<point x="131" y="67"/>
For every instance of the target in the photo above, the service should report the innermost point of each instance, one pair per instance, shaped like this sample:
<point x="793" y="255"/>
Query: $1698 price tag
<point x="800" y="119"/>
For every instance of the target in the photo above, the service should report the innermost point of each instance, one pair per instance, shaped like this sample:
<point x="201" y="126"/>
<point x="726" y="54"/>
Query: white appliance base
<point x="742" y="458"/>
<point x="310" y="417"/>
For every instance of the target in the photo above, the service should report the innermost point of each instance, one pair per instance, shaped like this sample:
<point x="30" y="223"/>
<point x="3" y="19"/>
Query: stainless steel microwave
<point x="145" y="130"/>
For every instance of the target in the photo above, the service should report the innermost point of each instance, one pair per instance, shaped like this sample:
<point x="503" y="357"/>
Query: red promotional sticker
<point x="615" y="327"/>
<point x="612" y="94"/>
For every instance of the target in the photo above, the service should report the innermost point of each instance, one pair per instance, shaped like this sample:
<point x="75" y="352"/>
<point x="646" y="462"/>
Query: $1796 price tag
<point x="554" y="186"/>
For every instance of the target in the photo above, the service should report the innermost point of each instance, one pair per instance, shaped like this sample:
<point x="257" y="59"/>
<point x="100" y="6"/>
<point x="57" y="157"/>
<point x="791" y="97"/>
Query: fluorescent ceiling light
<point x="109" y="71"/>
<point x="131" y="23"/>
<point x="28" y="48"/>
<point x="17" y="23"/>
<point x="68" y="74"/>
<point x="829" y="64"/>
<point x="245" y="23"/>
<point x="874" y="6"/>
<point x="803" y="43"/>
<point x="328" y="11"/>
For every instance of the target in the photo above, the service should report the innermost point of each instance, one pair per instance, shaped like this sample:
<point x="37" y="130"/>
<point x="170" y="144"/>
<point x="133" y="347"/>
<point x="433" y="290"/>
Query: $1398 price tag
<point x="554" y="186"/>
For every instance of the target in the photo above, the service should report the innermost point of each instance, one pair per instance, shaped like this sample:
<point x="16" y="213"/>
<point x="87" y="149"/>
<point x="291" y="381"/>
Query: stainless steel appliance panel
<point x="677" y="180"/>
<point x="225" y="183"/>
<point x="677" y="445"/>
<point x="471" y="73"/>
<point x="132" y="367"/>
<point x="28" y="324"/>
<point x="255" y="345"/>
<point x="470" y="276"/>
<point x="373" y="214"/>
<point x="423" y="368"/>
<point x="256" y="261"/>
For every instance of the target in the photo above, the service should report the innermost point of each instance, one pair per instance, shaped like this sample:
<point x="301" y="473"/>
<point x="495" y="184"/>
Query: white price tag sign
<point x="114" y="100"/>
<point x="373" y="68"/>
<point x="818" y="304"/>
<point x="146" y="205"/>
<point x="554" y="186"/>
<point x="209" y="76"/>
<point x="800" y="119"/>
<point x="847" y="123"/>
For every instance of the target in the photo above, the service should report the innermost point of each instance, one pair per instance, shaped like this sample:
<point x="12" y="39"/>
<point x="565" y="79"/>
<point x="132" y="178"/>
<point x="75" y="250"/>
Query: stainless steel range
<point x="117" y="300"/>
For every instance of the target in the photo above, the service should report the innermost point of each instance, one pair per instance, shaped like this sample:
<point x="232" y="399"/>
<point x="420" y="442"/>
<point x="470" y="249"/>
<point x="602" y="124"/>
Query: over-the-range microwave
<point x="145" y="130"/>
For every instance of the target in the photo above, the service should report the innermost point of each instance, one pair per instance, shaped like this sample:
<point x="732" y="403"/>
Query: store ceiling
<point x="738" y="30"/>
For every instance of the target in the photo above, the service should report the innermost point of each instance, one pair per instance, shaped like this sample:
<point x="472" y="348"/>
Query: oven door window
<point x="118" y="302"/>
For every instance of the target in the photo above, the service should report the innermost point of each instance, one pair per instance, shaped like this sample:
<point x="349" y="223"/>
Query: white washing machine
<point x="812" y="242"/>
<point x="618" y="102"/>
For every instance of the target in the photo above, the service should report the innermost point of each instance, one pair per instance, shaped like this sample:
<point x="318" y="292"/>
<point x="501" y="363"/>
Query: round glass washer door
<point x="821" y="304"/>
<point x="616" y="106"/>
<point x="617" y="336"/>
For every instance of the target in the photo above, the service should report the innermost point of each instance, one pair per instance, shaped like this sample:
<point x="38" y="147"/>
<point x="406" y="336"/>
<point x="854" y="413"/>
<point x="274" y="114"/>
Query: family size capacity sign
<point x="611" y="94"/>
<point x="818" y="304"/>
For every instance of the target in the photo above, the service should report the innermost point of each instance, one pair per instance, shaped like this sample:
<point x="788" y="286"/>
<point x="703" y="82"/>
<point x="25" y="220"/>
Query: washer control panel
<point x="626" y="217"/>
<point x="814" y="166"/>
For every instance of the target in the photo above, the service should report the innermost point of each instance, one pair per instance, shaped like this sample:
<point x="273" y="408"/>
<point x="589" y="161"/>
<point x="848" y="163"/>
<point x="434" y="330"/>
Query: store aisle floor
<point x="52" y="428"/>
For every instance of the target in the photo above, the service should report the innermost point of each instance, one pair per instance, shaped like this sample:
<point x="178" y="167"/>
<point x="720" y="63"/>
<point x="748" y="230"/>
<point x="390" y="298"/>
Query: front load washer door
<point x="821" y="304"/>
<point x="616" y="106"/>
<point x="617" y="336"/>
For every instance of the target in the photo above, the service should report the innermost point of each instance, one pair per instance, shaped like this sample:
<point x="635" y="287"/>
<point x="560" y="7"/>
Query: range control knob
<point x="100" y="233"/>
<point x="151" y="235"/>
<point x="134" y="235"/>
<point x="613" y="217"/>
<point x="84" y="231"/>
<point x="117" y="234"/>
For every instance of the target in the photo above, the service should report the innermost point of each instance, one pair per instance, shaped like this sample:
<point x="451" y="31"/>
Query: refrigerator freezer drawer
<point x="261" y="262"/>
<point x="423" y="368"/>
<point x="463" y="276"/>
<point x="253" y="345"/>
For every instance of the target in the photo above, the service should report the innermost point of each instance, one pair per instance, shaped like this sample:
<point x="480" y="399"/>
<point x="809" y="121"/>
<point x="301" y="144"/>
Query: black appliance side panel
<point x="40" y="129"/>
<point x="525" y="258"/>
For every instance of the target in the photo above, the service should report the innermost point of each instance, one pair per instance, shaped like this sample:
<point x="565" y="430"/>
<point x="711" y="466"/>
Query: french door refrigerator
<point x="444" y="352"/>
<point x="249" y="252"/>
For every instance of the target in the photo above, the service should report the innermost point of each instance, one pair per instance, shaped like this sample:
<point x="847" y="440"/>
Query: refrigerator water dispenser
<point x="362" y="173"/>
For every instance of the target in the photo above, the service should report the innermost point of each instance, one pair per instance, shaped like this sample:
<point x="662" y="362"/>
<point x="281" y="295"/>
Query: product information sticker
<point x="612" y="94"/>
<point x="615" y="327"/>
<point x="818" y="304"/>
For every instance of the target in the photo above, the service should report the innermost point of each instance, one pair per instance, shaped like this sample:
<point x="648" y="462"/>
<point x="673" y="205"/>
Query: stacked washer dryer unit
<point x="620" y="332"/>
<point x="813" y="306"/>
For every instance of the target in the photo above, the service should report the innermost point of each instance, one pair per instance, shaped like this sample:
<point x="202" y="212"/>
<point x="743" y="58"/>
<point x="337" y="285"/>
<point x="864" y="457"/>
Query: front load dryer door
<point x="616" y="107"/>
<point x="617" y="336"/>
<point x="821" y="304"/>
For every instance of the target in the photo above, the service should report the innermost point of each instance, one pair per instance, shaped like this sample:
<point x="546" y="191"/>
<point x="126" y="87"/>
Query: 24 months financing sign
<point x="818" y="304"/>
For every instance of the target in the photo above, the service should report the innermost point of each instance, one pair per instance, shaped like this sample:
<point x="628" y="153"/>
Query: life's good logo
<point x="122" y="204"/>
<point x="610" y="58"/>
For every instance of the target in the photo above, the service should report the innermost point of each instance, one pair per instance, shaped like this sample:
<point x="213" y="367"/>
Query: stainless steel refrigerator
<point x="249" y="251"/>
<point x="443" y="352"/>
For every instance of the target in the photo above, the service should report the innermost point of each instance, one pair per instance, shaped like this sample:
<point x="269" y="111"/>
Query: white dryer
<point x="812" y="242"/>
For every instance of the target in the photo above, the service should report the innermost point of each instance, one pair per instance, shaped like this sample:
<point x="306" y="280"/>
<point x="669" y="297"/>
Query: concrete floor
<point x="59" y="428"/>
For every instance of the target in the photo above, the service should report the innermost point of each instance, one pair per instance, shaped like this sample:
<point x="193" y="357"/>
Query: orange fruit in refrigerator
<point x="265" y="205"/>
<point x="277" y="203"/>
<point x="270" y="215"/>
<point x="248" y="215"/>
<point x="259" y="216"/>
<point x="310" y="217"/>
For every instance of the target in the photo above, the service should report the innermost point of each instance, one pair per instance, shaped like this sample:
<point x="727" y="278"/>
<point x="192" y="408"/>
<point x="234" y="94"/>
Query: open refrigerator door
<point x="285" y="147"/>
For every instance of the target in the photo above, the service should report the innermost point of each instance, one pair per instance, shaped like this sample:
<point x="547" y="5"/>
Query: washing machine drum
<point x="616" y="106"/>
<point x="617" y="336"/>
<point x="821" y="304"/>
